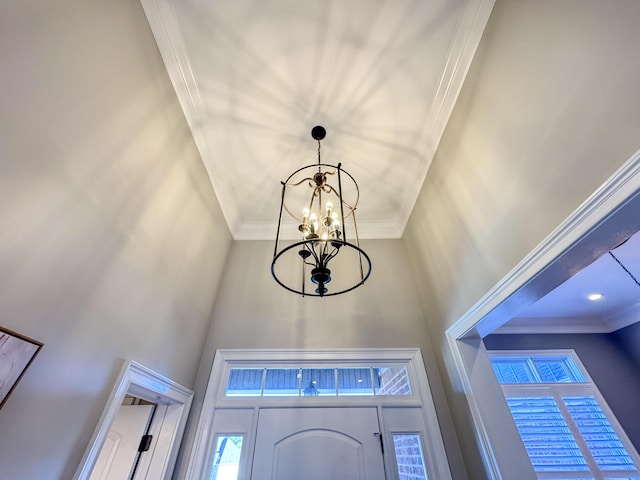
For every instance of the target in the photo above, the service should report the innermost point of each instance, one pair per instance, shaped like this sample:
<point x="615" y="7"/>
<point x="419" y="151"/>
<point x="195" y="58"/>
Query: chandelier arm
<point x="289" y="211"/>
<point x="336" y="192"/>
<point x="312" y="251"/>
<point x="313" y="196"/>
<point x="308" y="179"/>
<point x="354" y="184"/>
<point x="331" y="255"/>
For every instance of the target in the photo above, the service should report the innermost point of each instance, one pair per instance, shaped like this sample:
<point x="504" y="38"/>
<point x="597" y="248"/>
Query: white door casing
<point x="173" y="403"/>
<point x="318" y="444"/>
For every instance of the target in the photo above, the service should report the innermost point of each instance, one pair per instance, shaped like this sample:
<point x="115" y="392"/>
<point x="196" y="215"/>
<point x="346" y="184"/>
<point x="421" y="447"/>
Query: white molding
<point x="163" y="20"/>
<point x="618" y="190"/>
<point x="200" y="459"/>
<point x="464" y="44"/>
<point x="139" y="381"/>
<point x="559" y="325"/>
<point x="624" y="318"/>
<point x="621" y="319"/>
<point x="318" y="355"/>
<point x="487" y="454"/>
<point x="437" y="457"/>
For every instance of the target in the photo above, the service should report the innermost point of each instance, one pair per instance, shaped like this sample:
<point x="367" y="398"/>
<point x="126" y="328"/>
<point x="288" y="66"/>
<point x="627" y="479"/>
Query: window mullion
<point x="586" y="453"/>
<point x="534" y="370"/>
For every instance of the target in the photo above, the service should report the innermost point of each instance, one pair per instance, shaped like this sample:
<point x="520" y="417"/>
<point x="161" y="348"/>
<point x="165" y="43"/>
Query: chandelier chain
<point x="625" y="269"/>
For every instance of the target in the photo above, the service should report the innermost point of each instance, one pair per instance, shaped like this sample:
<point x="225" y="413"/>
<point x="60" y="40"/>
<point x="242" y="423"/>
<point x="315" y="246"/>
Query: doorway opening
<point x="606" y="219"/>
<point x="161" y="407"/>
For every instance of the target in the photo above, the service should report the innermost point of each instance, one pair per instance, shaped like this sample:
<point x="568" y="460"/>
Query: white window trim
<point x="562" y="352"/>
<point x="315" y="363"/>
<point x="561" y="389"/>
<point x="199" y="464"/>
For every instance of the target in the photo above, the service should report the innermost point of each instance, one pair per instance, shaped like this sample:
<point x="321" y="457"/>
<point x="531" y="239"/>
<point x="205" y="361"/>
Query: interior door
<point x="318" y="444"/>
<point x="120" y="448"/>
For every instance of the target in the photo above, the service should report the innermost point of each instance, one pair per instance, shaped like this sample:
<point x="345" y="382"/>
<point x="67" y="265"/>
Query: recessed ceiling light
<point x="594" y="297"/>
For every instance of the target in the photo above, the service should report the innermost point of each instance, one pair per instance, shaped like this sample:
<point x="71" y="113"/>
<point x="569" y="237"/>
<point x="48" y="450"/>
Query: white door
<point x="120" y="449"/>
<point x="318" y="444"/>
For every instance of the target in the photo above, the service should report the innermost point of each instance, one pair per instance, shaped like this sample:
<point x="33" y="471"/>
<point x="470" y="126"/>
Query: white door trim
<point x="586" y="234"/>
<point x="200" y="460"/>
<point x="174" y="401"/>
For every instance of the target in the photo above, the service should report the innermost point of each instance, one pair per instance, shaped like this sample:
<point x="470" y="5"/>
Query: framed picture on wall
<point x="16" y="354"/>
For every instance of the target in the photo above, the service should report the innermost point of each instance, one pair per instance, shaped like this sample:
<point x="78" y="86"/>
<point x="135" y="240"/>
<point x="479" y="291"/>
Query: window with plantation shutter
<point x="566" y="426"/>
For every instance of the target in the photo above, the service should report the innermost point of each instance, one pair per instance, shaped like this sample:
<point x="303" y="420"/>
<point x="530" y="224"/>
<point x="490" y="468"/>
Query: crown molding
<point x="624" y="318"/>
<point x="163" y="20"/>
<point x="469" y="31"/>
<point x="557" y="325"/>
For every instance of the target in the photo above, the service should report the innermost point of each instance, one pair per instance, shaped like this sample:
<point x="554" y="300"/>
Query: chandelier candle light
<point x="320" y="261"/>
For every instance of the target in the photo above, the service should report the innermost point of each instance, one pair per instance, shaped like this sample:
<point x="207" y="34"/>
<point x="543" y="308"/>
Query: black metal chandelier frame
<point x="315" y="251"/>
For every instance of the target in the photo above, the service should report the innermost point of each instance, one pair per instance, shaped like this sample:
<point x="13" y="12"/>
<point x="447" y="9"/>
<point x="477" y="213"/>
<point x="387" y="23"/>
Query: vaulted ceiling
<point x="254" y="77"/>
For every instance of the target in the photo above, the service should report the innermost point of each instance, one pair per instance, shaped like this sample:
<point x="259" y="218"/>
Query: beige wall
<point x="112" y="240"/>
<point x="549" y="111"/>
<point x="253" y="311"/>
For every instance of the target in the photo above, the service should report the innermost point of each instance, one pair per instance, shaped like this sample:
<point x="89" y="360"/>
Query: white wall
<point x="112" y="240"/>
<point x="253" y="311"/>
<point x="549" y="111"/>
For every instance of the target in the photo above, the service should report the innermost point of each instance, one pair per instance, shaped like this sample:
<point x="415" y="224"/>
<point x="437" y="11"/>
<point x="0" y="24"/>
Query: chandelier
<point x="317" y="252"/>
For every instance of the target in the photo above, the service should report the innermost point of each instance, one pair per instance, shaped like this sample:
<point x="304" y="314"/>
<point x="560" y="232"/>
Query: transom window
<point x="565" y="424"/>
<point x="314" y="382"/>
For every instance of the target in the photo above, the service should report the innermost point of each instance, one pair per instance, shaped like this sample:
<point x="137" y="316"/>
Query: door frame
<point x="606" y="218"/>
<point x="173" y="403"/>
<point x="201" y="456"/>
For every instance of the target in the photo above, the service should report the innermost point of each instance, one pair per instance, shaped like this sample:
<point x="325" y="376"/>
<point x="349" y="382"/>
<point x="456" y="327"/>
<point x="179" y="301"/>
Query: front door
<point x="318" y="444"/>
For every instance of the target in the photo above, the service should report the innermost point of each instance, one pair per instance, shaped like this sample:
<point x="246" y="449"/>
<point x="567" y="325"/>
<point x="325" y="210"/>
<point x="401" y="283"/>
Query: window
<point x="565" y="424"/>
<point x="409" y="459"/>
<point x="227" y="457"/>
<point x="314" y="382"/>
